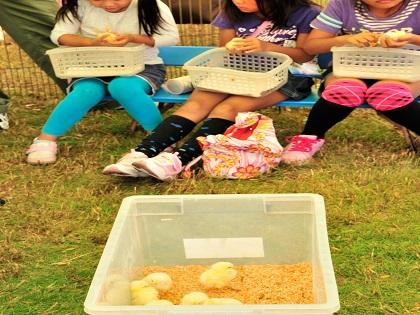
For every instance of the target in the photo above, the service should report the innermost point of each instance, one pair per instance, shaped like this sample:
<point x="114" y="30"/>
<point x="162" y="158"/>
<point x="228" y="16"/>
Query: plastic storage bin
<point x="377" y="63"/>
<point x="254" y="74"/>
<point x="74" y="62"/>
<point x="162" y="230"/>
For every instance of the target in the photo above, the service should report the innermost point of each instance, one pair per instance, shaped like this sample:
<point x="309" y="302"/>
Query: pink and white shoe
<point x="124" y="167"/>
<point x="165" y="166"/>
<point x="301" y="149"/>
<point x="42" y="152"/>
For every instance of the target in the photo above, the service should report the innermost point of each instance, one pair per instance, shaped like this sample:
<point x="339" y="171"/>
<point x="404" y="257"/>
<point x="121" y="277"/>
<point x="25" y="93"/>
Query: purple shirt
<point x="353" y="16"/>
<point x="253" y="25"/>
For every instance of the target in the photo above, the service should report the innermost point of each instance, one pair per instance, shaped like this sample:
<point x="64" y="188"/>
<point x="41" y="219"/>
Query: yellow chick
<point x="136" y="285"/>
<point x="107" y="35"/>
<point x="144" y="296"/>
<point x="194" y="298"/>
<point x="219" y="275"/>
<point x="159" y="303"/>
<point x="234" y="43"/>
<point x="394" y="34"/>
<point x="118" y="293"/>
<point x="159" y="280"/>
<point x="142" y="293"/>
<point x="222" y="301"/>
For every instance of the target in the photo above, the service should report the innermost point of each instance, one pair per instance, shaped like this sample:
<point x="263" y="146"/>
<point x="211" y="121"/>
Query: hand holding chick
<point x="364" y="39"/>
<point x="395" y="39"/>
<point x="219" y="275"/>
<point x="107" y="37"/>
<point x="234" y="44"/>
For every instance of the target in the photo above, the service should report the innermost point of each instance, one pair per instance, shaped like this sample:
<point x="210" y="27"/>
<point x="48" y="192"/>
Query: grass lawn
<point x="57" y="218"/>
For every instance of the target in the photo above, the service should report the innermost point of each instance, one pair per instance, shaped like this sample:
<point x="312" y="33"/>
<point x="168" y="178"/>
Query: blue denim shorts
<point x="154" y="75"/>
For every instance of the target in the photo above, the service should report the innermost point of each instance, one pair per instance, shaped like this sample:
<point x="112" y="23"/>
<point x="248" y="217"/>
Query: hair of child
<point x="150" y="18"/>
<point x="276" y="11"/>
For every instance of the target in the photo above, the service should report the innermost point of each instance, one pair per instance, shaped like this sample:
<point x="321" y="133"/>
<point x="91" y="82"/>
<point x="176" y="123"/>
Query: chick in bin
<point x="249" y="27"/>
<point x="119" y="24"/>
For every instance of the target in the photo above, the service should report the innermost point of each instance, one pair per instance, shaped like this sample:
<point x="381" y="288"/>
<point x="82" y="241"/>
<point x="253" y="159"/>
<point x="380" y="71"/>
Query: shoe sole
<point x="120" y="173"/>
<point x="143" y="168"/>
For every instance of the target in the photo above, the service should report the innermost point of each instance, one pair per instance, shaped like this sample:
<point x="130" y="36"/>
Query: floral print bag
<point x="247" y="149"/>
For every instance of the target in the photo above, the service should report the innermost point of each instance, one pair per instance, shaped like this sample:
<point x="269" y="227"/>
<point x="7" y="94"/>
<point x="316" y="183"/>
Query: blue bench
<point x="178" y="55"/>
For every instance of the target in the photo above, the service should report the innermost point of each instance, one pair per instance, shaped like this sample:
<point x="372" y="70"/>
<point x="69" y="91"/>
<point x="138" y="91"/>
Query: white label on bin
<point x="224" y="247"/>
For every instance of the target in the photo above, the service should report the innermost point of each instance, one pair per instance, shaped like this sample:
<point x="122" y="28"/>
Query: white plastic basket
<point x="255" y="74"/>
<point x="377" y="63"/>
<point x="73" y="62"/>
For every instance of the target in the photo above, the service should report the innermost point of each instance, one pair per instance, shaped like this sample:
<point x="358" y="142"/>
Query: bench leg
<point x="411" y="138"/>
<point x="133" y="127"/>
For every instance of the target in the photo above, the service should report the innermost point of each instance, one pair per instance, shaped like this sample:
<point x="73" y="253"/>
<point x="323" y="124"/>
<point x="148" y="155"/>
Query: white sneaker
<point x="124" y="165"/>
<point x="42" y="152"/>
<point x="4" y="121"/>
<point x="165" y="166"/>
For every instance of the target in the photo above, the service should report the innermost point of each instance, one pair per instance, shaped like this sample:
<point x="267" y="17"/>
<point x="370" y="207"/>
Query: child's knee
<point x="225" y="110"/>
<point x="389" y="95"/>
<point x="93" y="89"/>
<point x="124" y="85"/>
<point x="350" y="93"/>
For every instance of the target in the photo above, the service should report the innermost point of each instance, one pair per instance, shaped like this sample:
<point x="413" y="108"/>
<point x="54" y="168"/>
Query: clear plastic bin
<point x="75" y="62"/>
<point x="377" y="63"/>
<point x="174" y="230"/>
<point x="255" y="74"/>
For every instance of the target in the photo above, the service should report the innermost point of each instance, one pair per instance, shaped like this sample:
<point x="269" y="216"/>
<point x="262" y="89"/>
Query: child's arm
<point x="226" y="35"/>
<point x="399" y="41"/>
<point x="80" y="41"/>
<point x="66" y="33"/>
<point x="319" y="41"/>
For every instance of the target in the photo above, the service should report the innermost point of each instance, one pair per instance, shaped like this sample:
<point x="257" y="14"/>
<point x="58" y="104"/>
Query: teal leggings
<point x="130" y="92"/>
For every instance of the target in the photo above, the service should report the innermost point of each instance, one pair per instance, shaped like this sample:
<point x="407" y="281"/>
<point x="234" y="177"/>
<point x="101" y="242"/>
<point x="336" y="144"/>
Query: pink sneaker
<point x="301" y="149"/>
<point x="165" y="166"/>
<point x="42" y="152"/>
<point x="124" y="165"/>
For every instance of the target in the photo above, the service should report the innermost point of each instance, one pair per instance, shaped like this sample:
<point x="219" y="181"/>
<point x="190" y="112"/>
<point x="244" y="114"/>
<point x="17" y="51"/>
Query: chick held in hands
<point x="107" y="35"/>
<point x="395" y="34"/>
<point x="219" y="275"/>
<point x="234" y="44"/>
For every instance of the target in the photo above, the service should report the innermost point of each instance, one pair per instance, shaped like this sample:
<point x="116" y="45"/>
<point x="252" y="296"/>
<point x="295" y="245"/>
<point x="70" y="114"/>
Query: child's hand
<point x="234" y="44"/>
<point x="121" y="40"/>
<point x="251" y="45"/>
<point x="395" y="40"/>
<point x="106" y="36"/>
<point x="365" y="39"/>
<point x="112" y="39"/>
